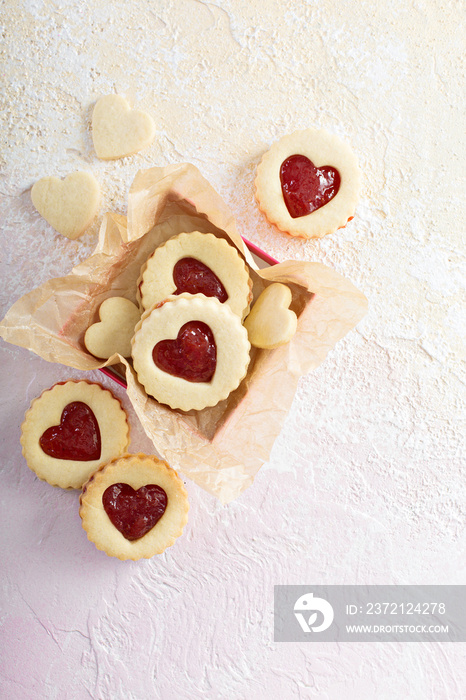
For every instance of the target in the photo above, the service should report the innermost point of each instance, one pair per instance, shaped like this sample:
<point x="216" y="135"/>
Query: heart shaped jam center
<point x="191" y="275"/>
<point x="77" y="437"/>
<point x="191" y="356"/>
<point x="132" y="512"/>
<point x="306" y="188"/>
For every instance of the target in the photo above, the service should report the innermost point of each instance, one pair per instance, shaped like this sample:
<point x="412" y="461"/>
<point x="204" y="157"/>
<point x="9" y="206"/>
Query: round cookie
<point x="308" y="183"/>
<point x="71" y="430"/>
<point x="190" y="352"/>
<point x="197" y="263"/>
<point x="134" y="507"/>
<point x="113" y="333"/>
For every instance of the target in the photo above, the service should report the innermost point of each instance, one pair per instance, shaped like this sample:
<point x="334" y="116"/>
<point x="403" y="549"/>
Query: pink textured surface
<point x="366" y="482"/>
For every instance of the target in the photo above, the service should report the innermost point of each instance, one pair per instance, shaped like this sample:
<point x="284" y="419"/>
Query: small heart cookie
<point x="118" y="130"/>
<point x="68" y="205"/>
<point x="271" y="323"/>
<point x="118" y="317"/>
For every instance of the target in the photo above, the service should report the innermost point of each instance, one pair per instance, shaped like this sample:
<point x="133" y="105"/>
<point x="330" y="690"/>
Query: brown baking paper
<point x="220" y="448"/>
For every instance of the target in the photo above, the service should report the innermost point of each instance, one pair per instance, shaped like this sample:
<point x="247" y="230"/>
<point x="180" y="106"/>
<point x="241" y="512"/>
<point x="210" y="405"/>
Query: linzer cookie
<point x="71" y="430"/>
<point x="134" y="507"/>
<point x="308" y="183"/>
<point x="197" y="263"/>
<point x="190" y="352"/>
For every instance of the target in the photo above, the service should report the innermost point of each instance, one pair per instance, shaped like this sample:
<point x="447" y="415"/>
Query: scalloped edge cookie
<point x="156" y="281"/>
<point x="137" y="470"/>
<point x="46" y="410"/>
<point x="322" y="148"/>
<point x="164" y="322"/>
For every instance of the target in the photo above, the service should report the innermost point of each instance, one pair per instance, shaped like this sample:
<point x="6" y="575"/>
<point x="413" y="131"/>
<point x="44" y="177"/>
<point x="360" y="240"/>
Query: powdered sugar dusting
<point x="365" y="483"/>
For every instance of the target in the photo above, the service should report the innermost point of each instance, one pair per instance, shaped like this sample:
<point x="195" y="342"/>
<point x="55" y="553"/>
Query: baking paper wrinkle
<point x="220" y="448"/>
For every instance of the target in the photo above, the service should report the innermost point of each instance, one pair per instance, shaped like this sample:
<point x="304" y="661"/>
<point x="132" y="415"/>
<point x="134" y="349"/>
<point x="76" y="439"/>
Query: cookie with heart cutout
<point x="271" y="322"/>
<point x="113" y="333"/>
<point x="71" y="430"/>
<point x="118" y="130"/>
<point x="197" y="263"/>
<point x="308" y="183"/>
<point x="134" y="507"/>
<point x="190" y="351"/>
<point x="69" y="205"/>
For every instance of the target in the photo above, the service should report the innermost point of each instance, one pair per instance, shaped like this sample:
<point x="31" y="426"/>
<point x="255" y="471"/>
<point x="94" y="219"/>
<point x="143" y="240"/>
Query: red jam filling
<point x="192" y="276"/>
<point x="132" y="512"/>
<point x="77" y="437"/>
<point x="191" y="356"/>
<point x="306" y="188"/>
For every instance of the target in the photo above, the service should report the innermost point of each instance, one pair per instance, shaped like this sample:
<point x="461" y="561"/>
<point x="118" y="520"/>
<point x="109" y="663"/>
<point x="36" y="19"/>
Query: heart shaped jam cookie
<point x="133" y="512"/>
<point x="192" y="276"/>
<point x="271" y="322"/>
<point x="72" y="429"/>
<point x="69" y="205"/>
<point x="134" y="507"/>
<point x="191" y="352"/>
<point x="77" y="437"/>
<point x="118" y="130"/>
<point x="192" y="355"/>
<point x="197" y="263"/>
<point x="306" y="188"/>
<point x="113" y="333"/>
<point x="308" y="183"/>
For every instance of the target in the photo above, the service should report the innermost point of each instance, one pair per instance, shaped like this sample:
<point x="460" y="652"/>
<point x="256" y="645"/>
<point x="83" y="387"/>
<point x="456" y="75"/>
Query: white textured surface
<point x="366" y="481"/>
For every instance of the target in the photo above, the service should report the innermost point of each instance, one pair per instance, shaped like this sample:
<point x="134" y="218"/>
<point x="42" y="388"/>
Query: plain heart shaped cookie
<point x="68" y="205"/>
<point x="271" y="322"/>
<point x="118" y="130"/>
<point x="113" y="333"/>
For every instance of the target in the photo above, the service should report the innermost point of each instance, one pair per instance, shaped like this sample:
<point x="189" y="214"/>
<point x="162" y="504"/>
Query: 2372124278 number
<point x="394" y="608"/>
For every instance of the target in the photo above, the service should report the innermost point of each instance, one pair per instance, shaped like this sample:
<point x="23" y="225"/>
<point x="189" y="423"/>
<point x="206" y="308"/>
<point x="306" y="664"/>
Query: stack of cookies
<point x="190" y="339"/>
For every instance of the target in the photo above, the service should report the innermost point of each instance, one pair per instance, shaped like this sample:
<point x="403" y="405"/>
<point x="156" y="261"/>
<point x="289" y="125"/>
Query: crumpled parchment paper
<point x="220" y="448"/>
